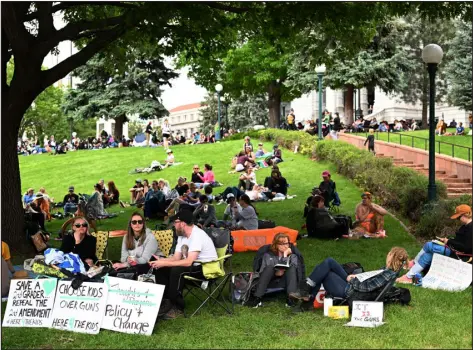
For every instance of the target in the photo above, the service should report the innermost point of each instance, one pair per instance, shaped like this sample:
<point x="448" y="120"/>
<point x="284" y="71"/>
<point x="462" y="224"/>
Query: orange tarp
<point x="252" y="240"/>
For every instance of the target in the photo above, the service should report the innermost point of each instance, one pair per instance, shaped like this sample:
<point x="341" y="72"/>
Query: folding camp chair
<point x="215" y="277"/>
<point x="102" y="243"/>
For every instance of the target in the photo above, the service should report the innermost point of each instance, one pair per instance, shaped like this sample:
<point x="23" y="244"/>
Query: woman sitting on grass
<point x="96" y="201"/>
<point x="321" y="224"/>
<point x="369" y="219"/>
<point x="138" y="245"/>
<point x="247" y="218"/>
<point x="81" y="242"/>
<point x="279" y="252"/>
<point x="113" y="193"/>
<point x="339" y="284"/>
<point x="462" y="243"/>
<point x="208" y="178"/>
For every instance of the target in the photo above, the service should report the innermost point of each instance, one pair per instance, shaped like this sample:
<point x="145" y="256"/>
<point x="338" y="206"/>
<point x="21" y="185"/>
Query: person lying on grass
<point x="369" y="219"/>
<point x="280" y="251"/>
<point x="338" y="283"/>
<point x="462" y="243"/>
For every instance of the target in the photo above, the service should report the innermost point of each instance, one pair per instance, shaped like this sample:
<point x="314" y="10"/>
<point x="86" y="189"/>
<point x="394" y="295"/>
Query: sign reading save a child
<point x="79" y="310"/>
<point x="132" y="307"/>
<point x="30" y="303"/>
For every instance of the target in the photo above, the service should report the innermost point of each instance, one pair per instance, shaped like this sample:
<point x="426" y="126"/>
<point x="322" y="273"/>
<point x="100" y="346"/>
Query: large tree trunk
<point x="349" y="90"/>
<point x="425" y="98"/>
<point x="118" y="133"/>
<point x="274" y="99"/>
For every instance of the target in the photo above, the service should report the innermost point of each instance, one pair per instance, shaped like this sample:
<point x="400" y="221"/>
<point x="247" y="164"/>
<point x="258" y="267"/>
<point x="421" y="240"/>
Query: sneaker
<point x="254" y="303"/>
<point x="303" y="293"/>
<point x="404" y="280"/>
<point x="172" y="314"/>
<point x="122" y="204"/>
<point x="304" y="306"/>
<point x="165" y="307"/>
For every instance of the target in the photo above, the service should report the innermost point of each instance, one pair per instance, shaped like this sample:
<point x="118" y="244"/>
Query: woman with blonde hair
<point x="81" y="242"/>
<point x="341" y="285"/>
<point x="280" y="265"/>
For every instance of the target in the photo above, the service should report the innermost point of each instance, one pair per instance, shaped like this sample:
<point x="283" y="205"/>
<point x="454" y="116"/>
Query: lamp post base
<point x="432" y="192"/>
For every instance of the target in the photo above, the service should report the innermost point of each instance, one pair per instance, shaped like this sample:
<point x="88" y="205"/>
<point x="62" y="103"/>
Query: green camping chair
<point x="209" y="290"/>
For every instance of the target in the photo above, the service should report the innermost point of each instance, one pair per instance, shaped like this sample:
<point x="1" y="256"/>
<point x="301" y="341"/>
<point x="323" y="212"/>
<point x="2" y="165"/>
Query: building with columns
<point x="385" y="107"/>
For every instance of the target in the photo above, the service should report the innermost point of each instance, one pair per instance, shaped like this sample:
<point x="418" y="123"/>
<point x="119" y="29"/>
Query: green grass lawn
<point x="434" y="319"/>
<point x="445" y="146"/>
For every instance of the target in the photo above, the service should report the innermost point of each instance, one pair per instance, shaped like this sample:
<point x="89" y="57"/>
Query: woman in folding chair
<point x="193" y="245"/>
<point x="455" y="247"/>
<point x="341" y="285"/>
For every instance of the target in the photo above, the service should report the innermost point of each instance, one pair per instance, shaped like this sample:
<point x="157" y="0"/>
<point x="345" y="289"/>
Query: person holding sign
<point x="462" y="242"/>
<point x="341" y="285"/>
<point x="81" y="242"/>
<point x="192" y="244"/>
<point x="138" y="246"/>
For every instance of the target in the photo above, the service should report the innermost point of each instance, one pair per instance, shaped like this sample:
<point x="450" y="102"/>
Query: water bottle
<point x="418" y="280"/>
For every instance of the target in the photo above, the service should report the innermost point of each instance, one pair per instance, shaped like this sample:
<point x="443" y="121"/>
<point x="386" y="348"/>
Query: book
<point x="366" y="275"/>
<point x="282" y="265"/>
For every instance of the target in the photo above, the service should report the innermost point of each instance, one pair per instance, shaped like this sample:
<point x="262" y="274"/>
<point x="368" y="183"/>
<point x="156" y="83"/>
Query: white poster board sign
<point x="366" y="314"/>
<point x="79" y="310"/>
<point x="366" y="275"/>
<point x="132" y="306"/>
<point x="448" y="274"/>
<point x="30" y="303"/>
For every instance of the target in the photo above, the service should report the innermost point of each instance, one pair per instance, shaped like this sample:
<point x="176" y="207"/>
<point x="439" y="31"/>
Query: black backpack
<point x="266" y="224"/>
<point x="244" y="286"/>
<point x="394" y="295"/>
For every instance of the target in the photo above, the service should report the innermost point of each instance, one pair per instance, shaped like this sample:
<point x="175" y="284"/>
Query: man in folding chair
<point x="192" y="244"/>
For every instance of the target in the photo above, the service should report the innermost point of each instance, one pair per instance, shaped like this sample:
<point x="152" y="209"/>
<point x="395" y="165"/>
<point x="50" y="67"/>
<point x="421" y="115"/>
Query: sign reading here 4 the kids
<point x="30" y="303"/>
<point x="79" y="310"/>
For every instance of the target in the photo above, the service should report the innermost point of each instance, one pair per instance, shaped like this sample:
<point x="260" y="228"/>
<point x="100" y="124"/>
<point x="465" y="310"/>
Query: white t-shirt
<point x="200" y="242"/>
<point x="166" y="129"/>
<point x="254" y="195"/>
<point x="170" y="158"/>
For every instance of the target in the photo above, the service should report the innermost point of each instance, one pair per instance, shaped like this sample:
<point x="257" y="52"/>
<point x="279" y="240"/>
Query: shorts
<point x="166" y="136"/>
<point x="239" y="167"/>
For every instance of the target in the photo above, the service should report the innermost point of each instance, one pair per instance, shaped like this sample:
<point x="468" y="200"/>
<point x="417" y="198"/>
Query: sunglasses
<point x="196" y="168"/>
<point x="136" y="222"/>
<point x="81" y="225"/>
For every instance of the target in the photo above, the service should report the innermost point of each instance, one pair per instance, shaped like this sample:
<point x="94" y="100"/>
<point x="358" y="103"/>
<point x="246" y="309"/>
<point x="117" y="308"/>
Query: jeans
<point x="173" y="279"/>
<point x="70" y="208"/>
<point x="267" y="275"/>
<point x="425" y="256"/>
<point x="236" y="192"/>
<point x="332" y="275"/>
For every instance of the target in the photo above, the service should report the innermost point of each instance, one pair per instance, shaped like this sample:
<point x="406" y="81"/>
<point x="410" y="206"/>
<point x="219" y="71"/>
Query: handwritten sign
<point x="448" y="274"/>
<point x="80" y="310"/>
<point x="366" y="275"/>
<point x="132" y="307"/>
<point x="366" y="314"/>
<point x="30" y="303"/>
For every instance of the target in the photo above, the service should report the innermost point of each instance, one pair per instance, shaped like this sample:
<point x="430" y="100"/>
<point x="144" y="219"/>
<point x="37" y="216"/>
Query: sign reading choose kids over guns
<point x="79" y="310"/>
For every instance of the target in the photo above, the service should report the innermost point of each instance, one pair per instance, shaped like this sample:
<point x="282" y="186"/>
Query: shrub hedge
<point x="397" y="188"/>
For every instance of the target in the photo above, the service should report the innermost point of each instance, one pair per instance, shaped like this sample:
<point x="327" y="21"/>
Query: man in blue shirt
<point x="29" y="196"/>
<point x="460" y="129"/>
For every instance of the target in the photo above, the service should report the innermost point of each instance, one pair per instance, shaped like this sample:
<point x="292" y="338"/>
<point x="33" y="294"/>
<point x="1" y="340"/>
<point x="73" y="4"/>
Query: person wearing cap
<point x="28" y="197"/>
<point x="35" y="207"/>
<point x="328" y="188"/>
<point x="462" y="242"/>
<point x="192" y="244"/>
<point x="260" y="152"/>
<point x="369" y="219"/>
<point x="276" y="157"/>
<point x="70" y="201"/>
<point x="137" y="191"/>
<point x="229" y="219"/>
<point x="169" y="159"/>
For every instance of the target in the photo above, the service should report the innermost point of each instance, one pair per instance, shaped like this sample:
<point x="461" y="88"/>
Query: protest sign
<point x="366" y="314"/>
<point x="447" y="274"/>
<point x="132" y="306"/>
<point x="79" y="310"/>
<point x="366" y="275"/>
<point x="30" y="303"/>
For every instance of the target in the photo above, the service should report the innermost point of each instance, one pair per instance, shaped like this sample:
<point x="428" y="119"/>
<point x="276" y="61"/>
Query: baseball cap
<point x="326" y="173"/>
<point x="461" y="210"/>
<point x="168" y="151"/>
<point x="71" y="188"/>
<point x="138" y="180"/>
<point x="183" y="215"/>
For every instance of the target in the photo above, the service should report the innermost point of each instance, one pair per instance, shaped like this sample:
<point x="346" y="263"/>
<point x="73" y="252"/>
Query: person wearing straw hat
<point x="169" y="158"/>
<point x="462" y="242"/>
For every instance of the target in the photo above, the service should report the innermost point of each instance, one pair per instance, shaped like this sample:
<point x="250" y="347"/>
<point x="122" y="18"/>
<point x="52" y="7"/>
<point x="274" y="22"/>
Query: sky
<point x="183" y="90"/>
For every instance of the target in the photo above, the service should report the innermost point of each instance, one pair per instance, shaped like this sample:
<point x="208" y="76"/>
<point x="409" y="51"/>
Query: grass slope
<point x="458" y="152"/>
<point x="434" y="319"/>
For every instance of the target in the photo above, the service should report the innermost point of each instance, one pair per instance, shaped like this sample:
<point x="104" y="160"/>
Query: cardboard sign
<point x="448" y="274"/>
<point x="30" y="303"/>
<point x="366" y="314"/>
<point x="132" y="307"/>
<point x="79" y="310"/>
<point x="338" y="312"/>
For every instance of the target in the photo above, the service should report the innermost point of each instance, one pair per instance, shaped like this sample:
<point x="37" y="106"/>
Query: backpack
<point x="394" y="295"/>
<point x="353" y="268"/>
<point x="244" y="285"/>
<point x="266" y="224"/>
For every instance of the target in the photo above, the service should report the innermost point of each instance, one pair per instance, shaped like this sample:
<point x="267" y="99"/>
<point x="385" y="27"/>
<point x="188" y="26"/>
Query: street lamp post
<point x="218" y="88"/>
<point x="320" y="70"/>
<point x="432" y="55"/>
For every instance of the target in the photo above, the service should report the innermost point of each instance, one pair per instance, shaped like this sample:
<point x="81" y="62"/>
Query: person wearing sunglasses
<point x="138" y="246"/>
<point x="280" y="265"/>
<point x="197" y="175"/>
<point x="462" y="242"/>
<point x="81" y="242"/>
<point x="192" y="244"/>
